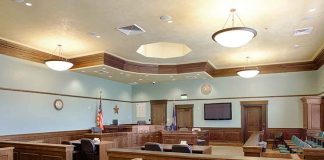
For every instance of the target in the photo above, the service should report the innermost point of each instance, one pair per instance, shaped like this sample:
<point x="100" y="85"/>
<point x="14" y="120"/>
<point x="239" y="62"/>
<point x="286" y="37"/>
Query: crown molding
<point x="27" y="53"/>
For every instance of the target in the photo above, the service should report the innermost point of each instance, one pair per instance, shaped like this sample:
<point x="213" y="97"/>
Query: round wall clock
<point x="58" y="104"/>
<point x="206" y="89"/>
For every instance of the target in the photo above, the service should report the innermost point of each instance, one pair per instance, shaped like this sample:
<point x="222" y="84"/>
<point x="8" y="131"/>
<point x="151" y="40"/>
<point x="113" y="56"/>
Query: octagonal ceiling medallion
<point x="163" y="50"/>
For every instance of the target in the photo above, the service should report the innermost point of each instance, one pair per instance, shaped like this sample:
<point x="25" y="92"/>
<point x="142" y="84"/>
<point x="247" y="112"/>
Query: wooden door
<point x="158" y="112"/>
<point x="184" y="116"/>
<point x="254" y="118"/>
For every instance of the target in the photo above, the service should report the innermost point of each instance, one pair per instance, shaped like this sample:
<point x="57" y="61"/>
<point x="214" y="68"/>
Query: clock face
<point x="58" y="104"/>
<point x="206" y="89"/>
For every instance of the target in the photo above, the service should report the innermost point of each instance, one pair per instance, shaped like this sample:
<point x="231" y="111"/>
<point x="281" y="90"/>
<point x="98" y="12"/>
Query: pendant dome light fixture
<point x="60" y="63"/>
<point x="234" y="37"/>
<point x="248" y="73"/>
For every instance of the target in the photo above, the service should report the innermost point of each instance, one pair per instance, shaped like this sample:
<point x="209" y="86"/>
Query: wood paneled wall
<point x="46" y="137"/>
<point x="232" y="135"/>
<point x="287" y="132"/>
<point x="6" y="153"/>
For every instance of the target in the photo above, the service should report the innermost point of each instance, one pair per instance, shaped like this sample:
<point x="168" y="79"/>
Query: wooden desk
<point x="178" y="136"/>
<point x="195" y="149"/>
<point x="6" y="153"/>
<point x="103" y="146"/>
<point x="251" y="146"/>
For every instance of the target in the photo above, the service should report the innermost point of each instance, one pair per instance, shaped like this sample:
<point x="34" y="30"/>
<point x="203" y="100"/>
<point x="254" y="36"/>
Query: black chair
<point x="96" y="130"/>
<point x="76" y="151"/>
<point x="278" y="138"/>
<point x="181" y="148"/>
<point x="151" y="146"/>
<point x="88" y="150"/>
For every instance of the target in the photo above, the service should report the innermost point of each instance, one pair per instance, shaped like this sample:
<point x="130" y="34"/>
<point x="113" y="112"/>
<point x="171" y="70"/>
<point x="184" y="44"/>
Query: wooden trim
<point x="23" y="52"/>
<point x="319" y="59"/>
<point x="264" y="109"/>
<point x="159" y="101"/>
<point x="27" y="53"/>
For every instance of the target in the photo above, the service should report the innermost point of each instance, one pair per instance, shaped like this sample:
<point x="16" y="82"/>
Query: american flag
<point x="174" y="119"/>
<point x="100" y="115"/>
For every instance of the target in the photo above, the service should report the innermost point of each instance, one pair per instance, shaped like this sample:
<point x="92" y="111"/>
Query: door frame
<point x="177" y="106"/>
<point x="264" y="110"/>
<point x="152" y="102"/>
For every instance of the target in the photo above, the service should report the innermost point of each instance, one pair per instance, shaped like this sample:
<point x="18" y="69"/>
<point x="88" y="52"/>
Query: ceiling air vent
<point x="303" y="31"/>
<point x="131" y="30"/>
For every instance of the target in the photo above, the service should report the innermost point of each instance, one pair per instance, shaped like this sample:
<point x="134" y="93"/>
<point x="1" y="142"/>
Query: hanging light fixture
<point x="248" y="73"/>
<point x="234" y="36"/>
<point x="58" y="64"/>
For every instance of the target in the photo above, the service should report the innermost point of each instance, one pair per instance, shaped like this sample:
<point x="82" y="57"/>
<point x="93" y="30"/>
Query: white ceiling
<point x="132" y="78"/>
<point x="69" y="22"/>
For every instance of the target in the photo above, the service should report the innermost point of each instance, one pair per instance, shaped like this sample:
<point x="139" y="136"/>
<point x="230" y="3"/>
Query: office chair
<point x="278" y="138"/>
<point x="96" y="130"/>
<point x="76" y="151"/>
<point x="151" y="146"/>
<point x="88" y="150"/>
<point x="181" y="148"/>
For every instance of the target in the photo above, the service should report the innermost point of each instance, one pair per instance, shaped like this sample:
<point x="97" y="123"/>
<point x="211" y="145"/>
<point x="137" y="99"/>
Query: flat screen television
<point x="218" y="111"/>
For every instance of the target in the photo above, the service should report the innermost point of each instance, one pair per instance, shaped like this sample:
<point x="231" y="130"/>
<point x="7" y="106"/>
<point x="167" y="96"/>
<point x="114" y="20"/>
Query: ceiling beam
<point x="27" y="53"/>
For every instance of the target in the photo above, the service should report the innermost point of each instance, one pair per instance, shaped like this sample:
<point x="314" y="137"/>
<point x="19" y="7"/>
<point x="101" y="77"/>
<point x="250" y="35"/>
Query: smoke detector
<point x="131" y="30"/>
<point x="303" y="31"/>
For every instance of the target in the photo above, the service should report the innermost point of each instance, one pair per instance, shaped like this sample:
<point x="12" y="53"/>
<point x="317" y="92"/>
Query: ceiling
<point x="69" y="22"/>
<point x="107" y="72"/>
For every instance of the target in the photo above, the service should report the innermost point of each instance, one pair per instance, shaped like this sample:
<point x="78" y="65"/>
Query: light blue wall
<point x="32" y="112"/>
<point x="320" y="80"/>
<point x="279" y="108"/>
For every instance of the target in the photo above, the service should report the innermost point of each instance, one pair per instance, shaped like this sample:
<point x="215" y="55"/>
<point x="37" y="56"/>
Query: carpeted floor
<point x="227" y="150"/>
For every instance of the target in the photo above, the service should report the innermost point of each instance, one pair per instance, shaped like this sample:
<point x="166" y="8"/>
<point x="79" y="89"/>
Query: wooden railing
<point x="28" y="150"/>
<point x="6" y="153"/>
<point x="251" y="146"/>
<point x="129" y="154"/>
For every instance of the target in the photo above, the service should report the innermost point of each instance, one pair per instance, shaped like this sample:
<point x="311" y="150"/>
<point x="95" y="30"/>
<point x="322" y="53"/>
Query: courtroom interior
<point x="161" y="79"/>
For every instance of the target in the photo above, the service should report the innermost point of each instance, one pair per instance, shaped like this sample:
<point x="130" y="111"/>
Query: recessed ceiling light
<point x="83" y="71"/>
<point x="97" y="36"/>
<point x="146" y="75"/>
<point x="109" y="76"/>
<point x="103" y="68"/>
<point x="127" y="75"/>
<point x="171" y="76"/>
<point x="121" y="73"/>
<point x="198" y="74"/>
<point x="312" y="10"/>
<point x="173" y="79"/>
<point x="28" y="4"/>
<point x="296" y="45"/>
<point x="166" y="18"/>
<point x="140" y="79"/>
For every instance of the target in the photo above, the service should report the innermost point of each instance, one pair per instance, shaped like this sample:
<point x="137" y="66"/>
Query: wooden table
<point x="195" y="149"/>
<point x="103" y="146"/>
